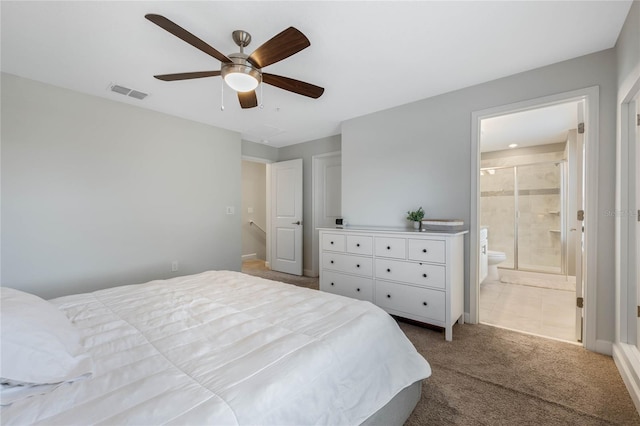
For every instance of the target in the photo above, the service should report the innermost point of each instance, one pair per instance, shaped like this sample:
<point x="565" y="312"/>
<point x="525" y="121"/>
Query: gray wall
<point x="258" y="150"/>
<point x="628" y="44"/>
<point x="419" y="154"/>
<point x="97" y="193"/>
<point x="306" y="151"/>
<point x="254" y="197"/>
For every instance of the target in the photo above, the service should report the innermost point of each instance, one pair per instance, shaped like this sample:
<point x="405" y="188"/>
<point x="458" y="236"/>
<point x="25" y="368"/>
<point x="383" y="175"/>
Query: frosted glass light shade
<point x="241" y="82"/>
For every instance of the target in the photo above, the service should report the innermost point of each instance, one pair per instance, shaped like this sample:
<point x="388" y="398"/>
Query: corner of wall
<point x="626" y="359"/>
<point x="604" y="347"/>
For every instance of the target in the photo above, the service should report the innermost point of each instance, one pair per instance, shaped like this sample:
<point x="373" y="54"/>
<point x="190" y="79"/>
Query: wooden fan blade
<point x="185" y="35"/>
<point x="279" y="47"/>
<point x="248" y="99"/>
<point x="295" y="86"/>
<point x="187" y="75"/>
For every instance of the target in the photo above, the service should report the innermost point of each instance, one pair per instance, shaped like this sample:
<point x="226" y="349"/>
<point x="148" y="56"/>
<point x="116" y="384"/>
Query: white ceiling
<point x="369" y="56"/>
<point x="541" y="126"/>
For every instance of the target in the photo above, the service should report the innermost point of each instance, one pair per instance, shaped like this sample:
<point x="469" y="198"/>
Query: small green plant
<point x="415" y="216"/>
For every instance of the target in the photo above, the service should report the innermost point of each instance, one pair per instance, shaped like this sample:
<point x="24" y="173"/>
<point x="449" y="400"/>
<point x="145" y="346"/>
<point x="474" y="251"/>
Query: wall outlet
<point x="231" y="210"/>
<point x="174" y="266"/>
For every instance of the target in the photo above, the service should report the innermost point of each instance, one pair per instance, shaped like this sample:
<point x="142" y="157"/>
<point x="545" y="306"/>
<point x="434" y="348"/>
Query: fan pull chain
<point x="261" y="104"/>
<point x="221" y="94"/>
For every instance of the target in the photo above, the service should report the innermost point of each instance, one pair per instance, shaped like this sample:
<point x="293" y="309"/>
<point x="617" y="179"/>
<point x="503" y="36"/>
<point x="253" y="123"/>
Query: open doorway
<point x="272" y="215"/>
<point x="254" y="214"/>
<point x="529" y="176"/>
<point x="527" y="252"/>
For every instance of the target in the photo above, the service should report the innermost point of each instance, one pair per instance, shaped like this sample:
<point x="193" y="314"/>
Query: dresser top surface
<point x="457" y="230"/>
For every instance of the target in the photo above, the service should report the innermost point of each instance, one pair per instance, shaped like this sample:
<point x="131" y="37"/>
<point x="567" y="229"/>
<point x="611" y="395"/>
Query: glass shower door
<point x="497" y="206"/>
<point x="540" y="232"/>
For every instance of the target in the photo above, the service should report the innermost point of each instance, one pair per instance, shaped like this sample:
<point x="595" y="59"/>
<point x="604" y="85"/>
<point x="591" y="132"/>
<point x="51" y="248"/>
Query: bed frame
<point x="398" y="410"/>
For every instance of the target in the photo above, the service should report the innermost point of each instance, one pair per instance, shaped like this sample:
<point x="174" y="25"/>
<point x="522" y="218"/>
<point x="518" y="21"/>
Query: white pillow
<point x="39" y="345"/>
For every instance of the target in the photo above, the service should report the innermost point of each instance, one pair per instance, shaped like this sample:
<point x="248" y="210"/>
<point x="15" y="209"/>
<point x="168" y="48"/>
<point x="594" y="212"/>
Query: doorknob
<point x="296" y="223"/>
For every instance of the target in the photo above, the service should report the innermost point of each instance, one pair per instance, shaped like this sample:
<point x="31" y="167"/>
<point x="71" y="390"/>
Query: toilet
<point x="494" y="259"/>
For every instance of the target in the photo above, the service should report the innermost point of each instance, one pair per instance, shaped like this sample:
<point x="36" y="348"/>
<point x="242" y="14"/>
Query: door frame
<point x="315" y="248"/>
<point x="625" y="352"/>
<point x="591" y="97"/>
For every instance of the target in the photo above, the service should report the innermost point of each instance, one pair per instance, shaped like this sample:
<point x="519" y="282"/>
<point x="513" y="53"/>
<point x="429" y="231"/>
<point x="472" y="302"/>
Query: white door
<point x="286" y="216"/>
<point x="577" y="223"/>
<point x="327" y="197"/>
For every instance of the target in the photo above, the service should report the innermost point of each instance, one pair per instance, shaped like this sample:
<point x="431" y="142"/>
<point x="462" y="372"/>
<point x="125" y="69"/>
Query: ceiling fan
<point x="243" y="73"/>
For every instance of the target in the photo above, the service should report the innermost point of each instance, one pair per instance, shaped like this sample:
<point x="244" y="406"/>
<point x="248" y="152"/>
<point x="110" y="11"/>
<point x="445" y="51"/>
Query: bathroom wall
<point x="539" y="205"/>
<point x="497" y="211"/>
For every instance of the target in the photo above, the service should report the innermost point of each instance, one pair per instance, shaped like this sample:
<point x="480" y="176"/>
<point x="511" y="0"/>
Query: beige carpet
<point x="491" y="376"/>
<point x="257" y="268"/>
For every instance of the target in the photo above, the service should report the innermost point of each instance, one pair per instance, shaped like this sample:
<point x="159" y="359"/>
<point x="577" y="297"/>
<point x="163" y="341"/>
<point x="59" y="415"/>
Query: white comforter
<point x="224" y="348"/>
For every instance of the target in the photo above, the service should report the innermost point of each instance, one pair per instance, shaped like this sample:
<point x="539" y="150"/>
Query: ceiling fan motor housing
<point x="240" y="65"/>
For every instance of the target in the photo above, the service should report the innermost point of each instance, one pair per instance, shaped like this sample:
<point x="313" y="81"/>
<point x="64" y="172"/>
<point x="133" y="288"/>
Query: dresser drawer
<point x="391" y="247"/>
<point x="346" y="263"/>
<point x="359" y="244"/>
<point x="347" y="285"/>
<point x="427" y="250"/>
<point x="333" y="242"/>
<point x="422" y="274"/>
<point x="415" y="301"/>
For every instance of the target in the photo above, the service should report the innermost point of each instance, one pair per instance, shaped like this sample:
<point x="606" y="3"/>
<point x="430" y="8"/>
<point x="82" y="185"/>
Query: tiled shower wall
<point x="539" y="204"/>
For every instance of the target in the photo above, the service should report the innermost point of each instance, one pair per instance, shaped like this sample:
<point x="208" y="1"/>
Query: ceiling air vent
<point x="127" y="91"/>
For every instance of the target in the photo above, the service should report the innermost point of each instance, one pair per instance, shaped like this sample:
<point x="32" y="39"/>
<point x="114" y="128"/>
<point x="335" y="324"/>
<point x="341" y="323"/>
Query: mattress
<point x="226" y="348"/>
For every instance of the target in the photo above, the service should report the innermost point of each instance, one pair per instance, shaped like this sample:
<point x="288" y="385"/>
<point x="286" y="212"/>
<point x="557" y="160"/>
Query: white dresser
<point x="411" y="274"/>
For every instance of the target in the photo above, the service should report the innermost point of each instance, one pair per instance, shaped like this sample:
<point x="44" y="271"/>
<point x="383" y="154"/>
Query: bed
<point x="219" y="347"/>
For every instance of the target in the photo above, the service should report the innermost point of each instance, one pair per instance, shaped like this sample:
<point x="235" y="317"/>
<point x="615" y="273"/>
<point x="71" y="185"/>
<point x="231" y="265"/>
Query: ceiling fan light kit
<point x="240" y="75"/>
<point x="241" y="78"/>
<point x="243" y="73"/>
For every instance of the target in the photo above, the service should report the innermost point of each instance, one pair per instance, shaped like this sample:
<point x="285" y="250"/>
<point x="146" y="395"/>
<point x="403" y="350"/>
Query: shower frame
<point x="563" y="208"/>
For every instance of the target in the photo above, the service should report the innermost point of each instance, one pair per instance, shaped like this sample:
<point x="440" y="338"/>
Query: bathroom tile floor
<point x="548" y="312"/>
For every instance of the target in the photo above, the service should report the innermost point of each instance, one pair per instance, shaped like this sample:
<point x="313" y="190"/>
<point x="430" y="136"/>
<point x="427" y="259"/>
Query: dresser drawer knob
<point x="388" y="247"/>
<point x="332" y="261"/>
<point x="357" y="289"/>
<point x="332" y="284"/>
<point x="357" y="266"/>
<point x="358" y="245"/>
<point x="388" y="296"/>
<point x="424" y="275"/>
<point x="424" y="303"/>
<point x="332" y="242"/>
<point x="388" y="269"/>
<point x="424" y="250"/>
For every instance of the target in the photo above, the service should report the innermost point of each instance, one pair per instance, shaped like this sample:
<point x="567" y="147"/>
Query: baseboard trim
<point x="250" y="256"/>
<point x="309" y="273"/>
<point x="604" y="347"/>
<point x="467" y="318"/>
<point x="627" y="359"/>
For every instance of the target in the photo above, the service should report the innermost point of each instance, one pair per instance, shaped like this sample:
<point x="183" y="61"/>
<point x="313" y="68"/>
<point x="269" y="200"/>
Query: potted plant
<point x="415" y="216"/>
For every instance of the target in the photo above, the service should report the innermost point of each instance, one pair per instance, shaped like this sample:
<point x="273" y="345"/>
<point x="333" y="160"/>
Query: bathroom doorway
<point x="527" y="187"/>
